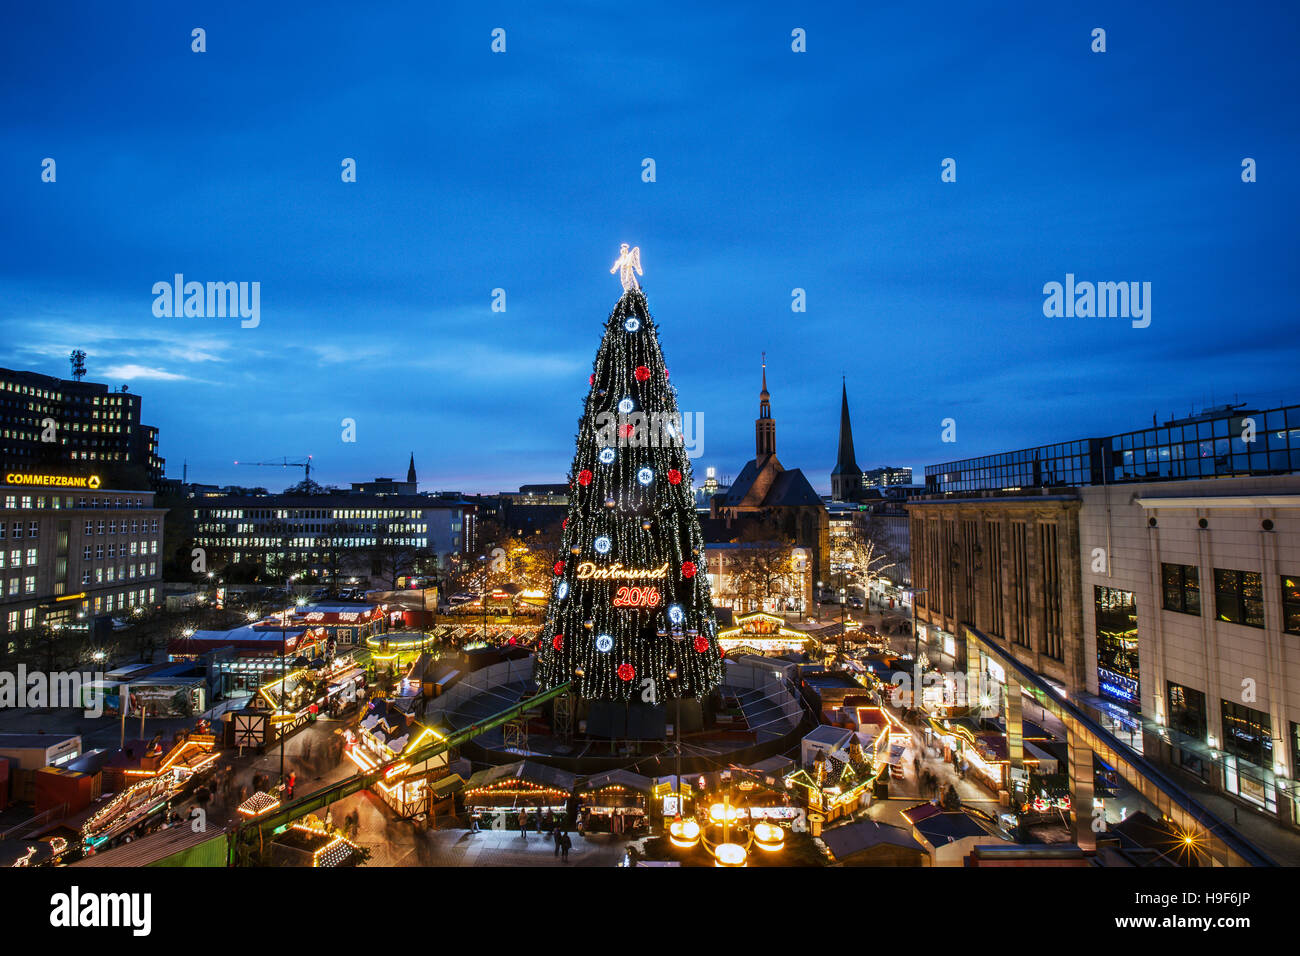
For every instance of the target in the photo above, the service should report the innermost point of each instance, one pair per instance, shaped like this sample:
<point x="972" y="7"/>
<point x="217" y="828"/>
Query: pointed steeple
<point x="764" y="425"/>
<point x="846" y="479"/>
<point x="410" y="470"/>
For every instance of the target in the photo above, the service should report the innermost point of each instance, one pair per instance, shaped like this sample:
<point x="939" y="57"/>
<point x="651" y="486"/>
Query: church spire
<point x="764" y="425"/>
<point x="846" y="479"/>
<point x="410" y="470"/>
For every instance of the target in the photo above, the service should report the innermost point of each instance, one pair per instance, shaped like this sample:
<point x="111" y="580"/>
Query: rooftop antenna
<point x="78" y="361"/>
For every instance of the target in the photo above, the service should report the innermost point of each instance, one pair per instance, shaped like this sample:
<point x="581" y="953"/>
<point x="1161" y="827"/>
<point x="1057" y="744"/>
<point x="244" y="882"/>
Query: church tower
<point x="410" y="470"/>
<point x="846" y="479"/>
<point x="764" y="425"/>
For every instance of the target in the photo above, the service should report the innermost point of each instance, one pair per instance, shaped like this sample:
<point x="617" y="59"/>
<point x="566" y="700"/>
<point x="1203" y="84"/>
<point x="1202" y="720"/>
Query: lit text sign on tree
<point x="636" y="597"/>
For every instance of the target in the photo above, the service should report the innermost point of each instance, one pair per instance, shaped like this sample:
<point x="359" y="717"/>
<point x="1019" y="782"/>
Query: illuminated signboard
<point x="53" y="481"/>
<point x="1117" y="685"/>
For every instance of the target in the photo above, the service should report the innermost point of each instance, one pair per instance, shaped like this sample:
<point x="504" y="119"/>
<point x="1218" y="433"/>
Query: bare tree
<point x="761" y="567"/>
<point x="861" y="557"/>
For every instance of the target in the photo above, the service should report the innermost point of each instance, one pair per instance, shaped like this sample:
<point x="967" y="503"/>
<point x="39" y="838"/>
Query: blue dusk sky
<point x="522" y="170"/>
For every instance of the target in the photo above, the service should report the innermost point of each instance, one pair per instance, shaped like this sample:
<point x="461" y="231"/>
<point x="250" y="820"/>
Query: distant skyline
<point x="775" y="171"/>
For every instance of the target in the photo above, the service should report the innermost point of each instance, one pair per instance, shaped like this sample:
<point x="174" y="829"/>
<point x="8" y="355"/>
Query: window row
<point x="15" y="558"/>
<point x="147" y="526"/>
<point x="1238" y="595"/>
<point x="121" y="573"/>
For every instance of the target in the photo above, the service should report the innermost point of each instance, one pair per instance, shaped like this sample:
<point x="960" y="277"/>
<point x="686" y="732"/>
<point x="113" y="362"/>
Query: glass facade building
<point x="1217" y="443"/>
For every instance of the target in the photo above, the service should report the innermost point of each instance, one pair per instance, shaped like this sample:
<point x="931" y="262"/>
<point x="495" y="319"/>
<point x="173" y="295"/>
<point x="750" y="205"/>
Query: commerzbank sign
<point x="53" y="481"/>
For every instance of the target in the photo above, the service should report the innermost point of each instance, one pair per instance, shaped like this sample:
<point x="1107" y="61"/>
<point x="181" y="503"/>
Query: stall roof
<point x="92" y="761"/>
<point x="524" y="770"/>
<point x="335" y="608"/>
<point x="829" y="736"/>
<point x="948" y="827"/>
<point x="152" y="848"/>
<point x="34" y="741"/>
<point x="623" y="778"/>
<point x="920" y="812"/>
<point x="844" y="841"/>
<point x="773" y="765"/>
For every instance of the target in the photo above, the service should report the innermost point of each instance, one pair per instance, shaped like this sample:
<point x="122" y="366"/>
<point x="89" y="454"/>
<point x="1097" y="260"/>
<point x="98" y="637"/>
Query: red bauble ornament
<point x="627" y="430"/>
<point x="642" y="373"/>
<point x="584" y="477"/>
<point x="665" y="373"/>
<point x="559" y="568"/>
<point x="557" y="641"/>
<point x="701" y="644"/>
<point x="626" y="672"/>
<point x="591" y="379"/>
<point x="674" y="476"/>
<point x="564" y="524"/>
<point x="688" y="569"/>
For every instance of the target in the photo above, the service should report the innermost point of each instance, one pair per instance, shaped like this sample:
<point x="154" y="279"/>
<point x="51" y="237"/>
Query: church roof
<point x="740" y="487"/>
<point x="846" y="463"/>
<point x="790" y="489"/>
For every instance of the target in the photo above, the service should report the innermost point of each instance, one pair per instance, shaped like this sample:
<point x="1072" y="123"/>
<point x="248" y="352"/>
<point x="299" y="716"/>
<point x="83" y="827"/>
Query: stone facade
<point x="1008" y="566"/>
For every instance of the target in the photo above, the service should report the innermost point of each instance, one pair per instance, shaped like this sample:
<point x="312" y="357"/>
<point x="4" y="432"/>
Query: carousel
<point x="765" y="635"/>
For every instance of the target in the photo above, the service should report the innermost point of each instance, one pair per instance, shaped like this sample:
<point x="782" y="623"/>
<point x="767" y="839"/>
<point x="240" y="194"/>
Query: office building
<point x="51" y="424"/>
<point x="886" y="477"/>
<point x="71" y="551"/>
<point x="375" y="536"/>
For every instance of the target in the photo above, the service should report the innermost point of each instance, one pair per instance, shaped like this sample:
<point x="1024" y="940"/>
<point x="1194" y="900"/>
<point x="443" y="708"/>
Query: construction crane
<point x="305" y="464"/>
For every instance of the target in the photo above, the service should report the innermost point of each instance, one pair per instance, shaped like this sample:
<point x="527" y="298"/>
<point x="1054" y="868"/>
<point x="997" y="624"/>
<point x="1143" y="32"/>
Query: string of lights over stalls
<point x="630" y="614"/>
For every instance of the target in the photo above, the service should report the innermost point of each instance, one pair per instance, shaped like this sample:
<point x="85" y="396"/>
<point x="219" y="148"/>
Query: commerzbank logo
<point x="53" y="481"/>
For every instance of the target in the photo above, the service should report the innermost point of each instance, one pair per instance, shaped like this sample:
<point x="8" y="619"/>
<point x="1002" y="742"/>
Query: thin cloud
<point x="130" y="372"/>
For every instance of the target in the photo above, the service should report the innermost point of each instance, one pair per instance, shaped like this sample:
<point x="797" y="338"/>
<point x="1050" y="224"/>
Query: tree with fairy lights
<point x="630" y="616"/>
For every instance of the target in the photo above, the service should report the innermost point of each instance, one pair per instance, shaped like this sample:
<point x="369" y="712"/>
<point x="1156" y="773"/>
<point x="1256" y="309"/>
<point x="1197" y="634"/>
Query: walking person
<point x="558" y="836"/>
<point x="565" y="844"/>
<point x="523" y="824"/>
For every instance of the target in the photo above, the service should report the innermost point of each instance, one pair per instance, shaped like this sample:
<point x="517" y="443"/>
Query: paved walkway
<point x="401" y="843"/>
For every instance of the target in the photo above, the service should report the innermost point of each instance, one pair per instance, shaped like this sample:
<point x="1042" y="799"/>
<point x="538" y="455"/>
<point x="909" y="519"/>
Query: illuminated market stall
<point x="309" y="843"/>
<point x="342" y="626"/>
<point x="965" y="743"/>
<point x="838" y="775"/>
<point x="498" y="794"/>
<point x="386" y="733"/>
<point x="615" y="802"/>
<point x="148" y="788"/>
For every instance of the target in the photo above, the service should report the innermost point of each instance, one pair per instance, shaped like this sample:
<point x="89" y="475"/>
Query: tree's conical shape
<point x="630" y="615"/>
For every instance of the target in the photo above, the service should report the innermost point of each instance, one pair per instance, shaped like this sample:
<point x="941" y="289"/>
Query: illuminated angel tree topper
<point x="630" y="616"/>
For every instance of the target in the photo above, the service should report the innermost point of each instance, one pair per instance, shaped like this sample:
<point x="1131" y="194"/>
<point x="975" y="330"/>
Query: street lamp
<point x="916" y="645"/>
<point x="483" y="558"/>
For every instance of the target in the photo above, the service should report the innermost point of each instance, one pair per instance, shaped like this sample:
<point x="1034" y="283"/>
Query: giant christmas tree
<point x="630" y="617"/>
